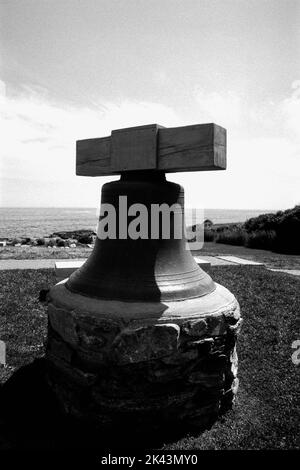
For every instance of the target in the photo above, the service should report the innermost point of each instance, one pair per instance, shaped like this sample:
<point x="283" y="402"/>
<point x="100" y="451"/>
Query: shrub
<point x="262" y="222"/>
<point x="279" y="232"/>
<point x="60" y="242"/>
<point x="232" y="237"/>
<point x="262" y="239"/>
<point x="209" y="235"/>
<point x="288" y="232"/>
<point x="222" y="228"/>
<point x="40" y="241"/>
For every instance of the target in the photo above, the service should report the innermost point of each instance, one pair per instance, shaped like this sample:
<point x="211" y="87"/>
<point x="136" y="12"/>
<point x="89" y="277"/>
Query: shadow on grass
<point x="31" y="420"/>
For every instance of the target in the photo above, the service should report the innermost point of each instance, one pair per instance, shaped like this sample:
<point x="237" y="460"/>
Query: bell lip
<point x="220" y="300"/>
<point x="159" y="288"/>
<point x="170" y="296"/>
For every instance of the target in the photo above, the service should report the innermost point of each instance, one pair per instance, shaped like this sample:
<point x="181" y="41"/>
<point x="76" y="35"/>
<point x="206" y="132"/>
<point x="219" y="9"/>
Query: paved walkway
<point x="29" y="263"/>
<point x="294" y="272"/>
<point x="50" y="263"/>
<point x="212" y="260"/>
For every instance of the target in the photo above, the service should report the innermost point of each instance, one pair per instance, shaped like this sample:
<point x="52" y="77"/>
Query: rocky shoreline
<point x="70" y="239"/>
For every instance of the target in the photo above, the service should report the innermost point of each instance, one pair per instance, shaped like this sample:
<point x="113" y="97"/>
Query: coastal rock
<point x="17" y="241"/>
<point x="74" y="234"/>
<point x="26" y="241"/>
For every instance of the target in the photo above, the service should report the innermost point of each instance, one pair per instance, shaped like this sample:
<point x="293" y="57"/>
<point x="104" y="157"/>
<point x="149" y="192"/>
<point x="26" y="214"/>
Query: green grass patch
<point x="23" y="319"/>
<point x="266" y="413"/>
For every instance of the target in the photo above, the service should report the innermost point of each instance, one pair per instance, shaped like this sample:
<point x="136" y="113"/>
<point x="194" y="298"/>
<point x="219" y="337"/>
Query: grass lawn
<point x="266" y="414"/>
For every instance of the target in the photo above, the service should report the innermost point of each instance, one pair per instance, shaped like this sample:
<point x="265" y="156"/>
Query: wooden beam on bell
<point x="200" y="147"/>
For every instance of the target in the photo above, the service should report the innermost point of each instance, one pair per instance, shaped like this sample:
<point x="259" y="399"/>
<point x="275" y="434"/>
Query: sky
<point x="77" y="69"/>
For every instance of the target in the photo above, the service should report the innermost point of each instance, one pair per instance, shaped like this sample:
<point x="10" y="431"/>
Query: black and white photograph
<point x="149" y="230"/>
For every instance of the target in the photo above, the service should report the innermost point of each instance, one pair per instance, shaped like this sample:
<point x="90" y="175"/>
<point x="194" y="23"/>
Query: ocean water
<point x="40" y="222"/>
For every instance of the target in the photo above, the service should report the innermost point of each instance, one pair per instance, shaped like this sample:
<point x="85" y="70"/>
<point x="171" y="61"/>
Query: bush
<point x="40" y="241"/>
<point x="279" y="232"/>
<point x="288" y="232"/>
<point x="60" y="242"/>
<point x="232" y="237"/>
<point x="262" y="239"/>
<point x="276" y="232"/>
<point x="262" y="222"/>
<point x="209" y="235"/>
<point x="222" y="228"/>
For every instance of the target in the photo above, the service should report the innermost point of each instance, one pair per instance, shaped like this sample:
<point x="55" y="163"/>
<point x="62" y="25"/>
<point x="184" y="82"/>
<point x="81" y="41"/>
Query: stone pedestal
<point x="143" y="362"/>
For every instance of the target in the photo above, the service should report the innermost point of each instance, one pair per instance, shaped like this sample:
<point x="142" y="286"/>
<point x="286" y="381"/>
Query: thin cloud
<point x="38" y="148"/>
<point x="226" y="109"/>
<point x="39" y="136"/>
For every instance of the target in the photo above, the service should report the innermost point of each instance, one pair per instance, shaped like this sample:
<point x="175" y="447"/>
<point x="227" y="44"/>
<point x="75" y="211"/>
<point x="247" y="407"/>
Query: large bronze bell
<point x="142" y="269"/>
<point x="140" y="334"/>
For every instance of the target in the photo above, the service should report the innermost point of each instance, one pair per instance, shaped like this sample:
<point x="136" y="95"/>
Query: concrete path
<point x="50" y="263"/>
<point x="293" y="272"/>
<point x="29" y="263"/>
<point x="215" y="261"/>
<point x="207" y="260"/>
<point x="237" y="260"/>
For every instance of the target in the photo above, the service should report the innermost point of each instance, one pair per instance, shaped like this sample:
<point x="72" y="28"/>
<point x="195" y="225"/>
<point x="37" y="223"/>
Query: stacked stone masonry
<point x="110" y="369"/>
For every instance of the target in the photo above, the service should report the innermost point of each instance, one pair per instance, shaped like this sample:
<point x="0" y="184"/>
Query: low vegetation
<point x="278" y="232"/>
